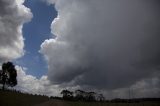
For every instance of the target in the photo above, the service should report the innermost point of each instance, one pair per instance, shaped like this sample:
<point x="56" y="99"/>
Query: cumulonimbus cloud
<point x="106" y="44"/>
<point x="13" y="14"/>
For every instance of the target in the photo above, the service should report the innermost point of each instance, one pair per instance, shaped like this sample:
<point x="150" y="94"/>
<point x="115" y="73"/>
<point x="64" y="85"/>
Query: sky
<point x="35" y="32"/>
<point x="107" y="46"/>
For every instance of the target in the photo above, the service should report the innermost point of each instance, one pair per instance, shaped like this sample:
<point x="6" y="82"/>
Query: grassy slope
<point x="8" y="98"/>
<point x="69" y="103"/>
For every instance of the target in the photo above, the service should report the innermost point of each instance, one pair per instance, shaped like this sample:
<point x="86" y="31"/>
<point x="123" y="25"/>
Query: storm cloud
<point x="13" y="14"/>
<point x="104" y="44"/>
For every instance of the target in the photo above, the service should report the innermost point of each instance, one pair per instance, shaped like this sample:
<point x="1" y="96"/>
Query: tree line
<point x="80" y="95"/>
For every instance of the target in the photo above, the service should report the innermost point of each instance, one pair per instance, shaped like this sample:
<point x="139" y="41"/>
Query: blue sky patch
<point x="35" y="32"/>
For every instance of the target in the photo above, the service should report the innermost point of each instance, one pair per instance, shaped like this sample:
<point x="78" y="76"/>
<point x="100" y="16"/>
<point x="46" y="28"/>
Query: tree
<point x="8" y="75"/>
<point x="85" y="96"/>
<point x="91" y="96"/>
<point x="80" y="95"/>
<point x="101" y="97"/>
<point x="67" y="94"/>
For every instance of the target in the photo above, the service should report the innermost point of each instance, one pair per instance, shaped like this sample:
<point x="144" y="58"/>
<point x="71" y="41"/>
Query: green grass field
<point x="8" y="98"/>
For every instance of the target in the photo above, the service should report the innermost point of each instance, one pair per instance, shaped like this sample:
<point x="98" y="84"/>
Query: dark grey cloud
<point x="13" y="14"/>
<point x="106" y="44"/>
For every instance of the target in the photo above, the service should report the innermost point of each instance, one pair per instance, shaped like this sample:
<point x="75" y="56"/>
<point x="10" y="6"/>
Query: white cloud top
<point x="13" y="14"/>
